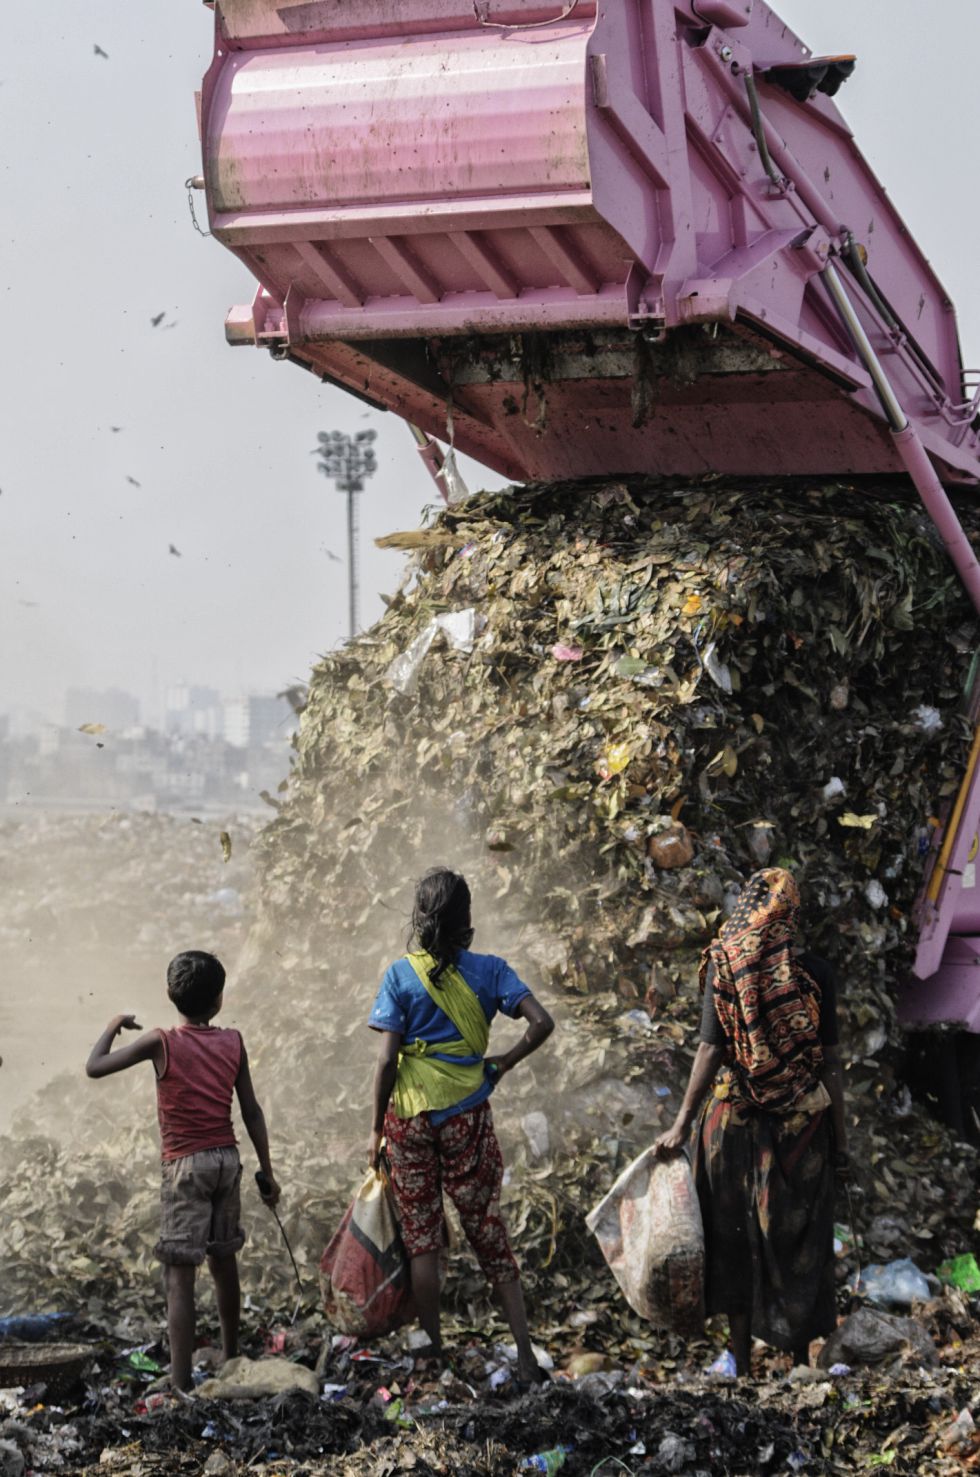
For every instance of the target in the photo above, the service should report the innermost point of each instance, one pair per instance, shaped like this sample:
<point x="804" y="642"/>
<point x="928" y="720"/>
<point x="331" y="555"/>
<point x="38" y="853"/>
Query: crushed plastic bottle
<point x="724" y="1364"/>
<point x="550" y="1461"/>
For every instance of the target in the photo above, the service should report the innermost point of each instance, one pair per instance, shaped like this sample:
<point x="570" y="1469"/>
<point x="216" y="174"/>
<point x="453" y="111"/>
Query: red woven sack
<point x="364" y="1272"/>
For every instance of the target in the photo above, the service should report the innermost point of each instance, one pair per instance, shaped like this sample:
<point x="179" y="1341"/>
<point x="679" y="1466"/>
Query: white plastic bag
<point x="649" y="1230"/>
<point x="460" y="628"/>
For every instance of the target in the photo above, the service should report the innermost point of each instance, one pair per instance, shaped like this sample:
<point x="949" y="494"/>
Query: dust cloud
<point x="92" y="907"/>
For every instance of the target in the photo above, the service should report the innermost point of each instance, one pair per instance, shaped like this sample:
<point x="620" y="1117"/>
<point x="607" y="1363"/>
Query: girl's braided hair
<point x="441" y="917"/>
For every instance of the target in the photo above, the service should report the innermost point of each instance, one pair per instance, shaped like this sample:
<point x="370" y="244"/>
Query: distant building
<point x="193" y="710"/>
<point x="116" y="709"/>
<point x="250" y="722"/>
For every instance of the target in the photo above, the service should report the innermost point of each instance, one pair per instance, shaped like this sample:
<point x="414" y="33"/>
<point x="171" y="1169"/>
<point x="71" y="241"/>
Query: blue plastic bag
<point x="894" y="1284"/>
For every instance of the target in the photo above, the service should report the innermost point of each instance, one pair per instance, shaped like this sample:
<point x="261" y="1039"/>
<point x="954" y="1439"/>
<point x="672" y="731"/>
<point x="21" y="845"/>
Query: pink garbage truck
<point x="652" y="207"/>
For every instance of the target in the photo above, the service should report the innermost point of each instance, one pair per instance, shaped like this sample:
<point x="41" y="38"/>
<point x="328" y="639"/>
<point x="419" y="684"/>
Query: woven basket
<point x="57" y="1366"/>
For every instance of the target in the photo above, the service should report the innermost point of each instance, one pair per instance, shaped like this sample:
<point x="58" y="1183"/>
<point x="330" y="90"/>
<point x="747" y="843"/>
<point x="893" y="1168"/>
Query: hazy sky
<point x="97" y="240"/>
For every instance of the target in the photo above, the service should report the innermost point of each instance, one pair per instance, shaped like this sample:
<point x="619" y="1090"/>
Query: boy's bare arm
<point x="254" y="1120"/>
<point x="103" y="1061"/>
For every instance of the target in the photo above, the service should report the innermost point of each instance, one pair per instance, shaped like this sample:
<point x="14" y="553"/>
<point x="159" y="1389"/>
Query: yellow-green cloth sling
<point x="425" y="1084"/>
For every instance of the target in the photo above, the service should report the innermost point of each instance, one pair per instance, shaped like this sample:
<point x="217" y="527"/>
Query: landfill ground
<point x="659" y="1413"/>
<point x="606" y="707"/>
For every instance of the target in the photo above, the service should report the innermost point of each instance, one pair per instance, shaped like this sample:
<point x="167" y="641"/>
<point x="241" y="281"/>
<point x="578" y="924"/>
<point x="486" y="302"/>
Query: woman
<point x="773" y="1131"/>
<point x="431" y="1087"/>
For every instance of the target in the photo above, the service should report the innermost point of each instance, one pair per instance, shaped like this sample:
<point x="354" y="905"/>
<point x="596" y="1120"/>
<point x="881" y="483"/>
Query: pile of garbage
<point x="608" y="705"/>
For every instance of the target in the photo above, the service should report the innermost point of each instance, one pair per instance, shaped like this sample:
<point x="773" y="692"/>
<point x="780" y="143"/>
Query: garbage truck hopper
<point x="588" y="239"/>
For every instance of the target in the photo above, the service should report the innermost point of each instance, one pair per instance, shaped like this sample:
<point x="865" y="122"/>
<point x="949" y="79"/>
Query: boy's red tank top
<point x="194" y="1092"/>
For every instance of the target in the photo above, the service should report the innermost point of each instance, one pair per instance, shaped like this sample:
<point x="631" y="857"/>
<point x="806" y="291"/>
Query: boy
<point x="197" y="1067"/>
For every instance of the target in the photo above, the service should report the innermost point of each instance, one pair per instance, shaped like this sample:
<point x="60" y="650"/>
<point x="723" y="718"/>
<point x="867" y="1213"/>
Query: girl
<point x="431" y="1086"/>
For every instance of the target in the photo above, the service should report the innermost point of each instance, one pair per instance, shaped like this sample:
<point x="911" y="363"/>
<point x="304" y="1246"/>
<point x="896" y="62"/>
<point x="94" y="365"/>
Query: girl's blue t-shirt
<point x="404" y="1005"/>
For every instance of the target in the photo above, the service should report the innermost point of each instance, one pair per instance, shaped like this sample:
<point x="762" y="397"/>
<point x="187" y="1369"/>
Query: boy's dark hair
<point x="194" y="981"/>
<point x="441" y="916"/>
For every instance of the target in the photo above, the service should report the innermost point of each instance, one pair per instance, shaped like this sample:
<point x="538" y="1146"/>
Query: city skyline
<point x="188" y="708"/>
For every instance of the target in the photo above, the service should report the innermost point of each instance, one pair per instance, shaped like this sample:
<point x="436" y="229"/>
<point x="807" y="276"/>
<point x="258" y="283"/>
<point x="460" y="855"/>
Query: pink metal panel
<point x="952" y="995"/>
<point x="265" y="22"/>
<point x="342" y="123"/>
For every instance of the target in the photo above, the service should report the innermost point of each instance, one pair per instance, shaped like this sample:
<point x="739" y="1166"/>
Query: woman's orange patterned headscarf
<point x="768" y="1006"/>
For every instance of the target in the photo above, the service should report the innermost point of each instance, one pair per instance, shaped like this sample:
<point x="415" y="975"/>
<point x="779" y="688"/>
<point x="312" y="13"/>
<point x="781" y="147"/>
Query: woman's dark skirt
<point x="766" y="1187"/>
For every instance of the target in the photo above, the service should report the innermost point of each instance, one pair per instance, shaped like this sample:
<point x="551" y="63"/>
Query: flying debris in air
<point x="99" y="52"/>
<point x="132" y="481"/>
<point x="31" y="604"/>
<point x="295" y="696"/>
<point x="158" y="318"/>
<point x="115" y="428"/>
<point x="173" y="549"/>
<point x="331" y="555"/>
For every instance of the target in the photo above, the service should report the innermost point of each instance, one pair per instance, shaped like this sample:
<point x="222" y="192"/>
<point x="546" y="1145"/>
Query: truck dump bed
<point x="572" y="222"/>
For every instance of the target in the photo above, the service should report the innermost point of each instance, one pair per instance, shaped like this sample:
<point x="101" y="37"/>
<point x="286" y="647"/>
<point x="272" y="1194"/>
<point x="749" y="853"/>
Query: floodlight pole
<point x="348" y="461"/>
<point x="353" y="580"/>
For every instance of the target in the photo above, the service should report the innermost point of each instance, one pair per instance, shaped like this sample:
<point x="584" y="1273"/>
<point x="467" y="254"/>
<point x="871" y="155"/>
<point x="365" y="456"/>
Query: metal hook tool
<point x="265" y="1189"/>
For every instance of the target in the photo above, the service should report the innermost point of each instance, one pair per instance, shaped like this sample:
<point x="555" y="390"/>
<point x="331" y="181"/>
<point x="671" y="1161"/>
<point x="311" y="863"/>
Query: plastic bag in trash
<point x="894" y="1284"/>
<point x="870" y="1337"/>
<point x="649" y="1230"/>
<point x="453" y="483"/>
<point x="724" y="1364"/>
<point x="961" y="1272"/>
<point x="364" y="1272"/>
<point x="460" y="628"/>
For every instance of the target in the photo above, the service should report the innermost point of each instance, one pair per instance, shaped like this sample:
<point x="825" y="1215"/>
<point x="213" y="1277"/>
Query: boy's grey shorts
<point x="200" y="1207"/>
